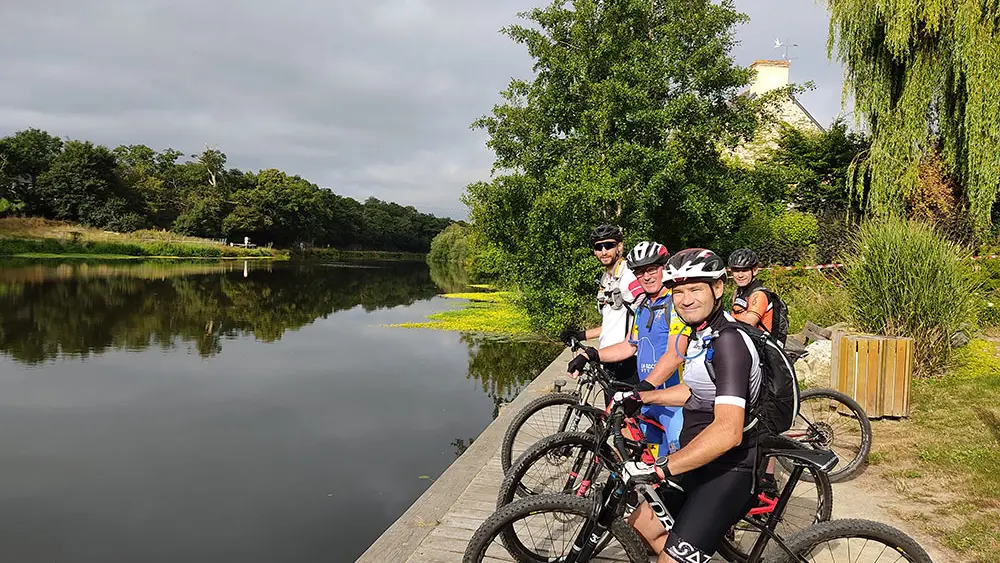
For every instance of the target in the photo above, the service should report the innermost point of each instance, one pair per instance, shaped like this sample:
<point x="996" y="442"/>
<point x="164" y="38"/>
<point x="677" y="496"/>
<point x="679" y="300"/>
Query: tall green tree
<point x="924" y="73"/>
<point x="631" y="105"/>
<point x="24" y="156"/>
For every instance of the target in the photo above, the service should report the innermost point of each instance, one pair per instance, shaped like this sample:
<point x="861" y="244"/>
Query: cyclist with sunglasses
<point x="617" y="292"/>
<point x="658" y="341"/>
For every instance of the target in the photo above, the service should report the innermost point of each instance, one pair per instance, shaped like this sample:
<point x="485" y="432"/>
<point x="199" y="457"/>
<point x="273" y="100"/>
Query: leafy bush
<point x="810" y="295"/>
<point x="988" y="280"/>
<point x="905" y="279"/>
<point x="780" y="236"/>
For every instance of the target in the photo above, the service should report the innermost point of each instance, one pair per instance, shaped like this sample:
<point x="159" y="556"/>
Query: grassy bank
<point x="42" y="238"/>
<point x="357" y="255"/>
<point x="487" y="313"/>
<point x="943" y="460"/>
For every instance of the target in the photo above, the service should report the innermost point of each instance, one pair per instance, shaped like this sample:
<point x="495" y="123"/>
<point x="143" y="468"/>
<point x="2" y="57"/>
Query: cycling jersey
<point x="617" y="292"/>
<point x="655" y="326"/>
<point x="737" y="382"/>
<point x="751" y="306"/>
<point x="720" y="492"/>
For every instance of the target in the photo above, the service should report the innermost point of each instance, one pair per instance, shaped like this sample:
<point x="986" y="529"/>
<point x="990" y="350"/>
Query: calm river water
<point x="193" y="412"/>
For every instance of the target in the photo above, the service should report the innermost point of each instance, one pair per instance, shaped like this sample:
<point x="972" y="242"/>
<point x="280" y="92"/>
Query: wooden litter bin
<point x="876" y="371"/>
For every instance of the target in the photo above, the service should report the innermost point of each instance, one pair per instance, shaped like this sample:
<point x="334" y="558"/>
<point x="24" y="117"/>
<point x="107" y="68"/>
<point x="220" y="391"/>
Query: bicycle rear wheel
<point x="811" y="502"/>
<point x="830" y="420"/>
<point x="542" y="529"/>
<point x="546" y="415"/>
<point x="851" y="541"/>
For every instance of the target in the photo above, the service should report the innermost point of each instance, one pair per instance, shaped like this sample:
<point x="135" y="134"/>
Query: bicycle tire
<point x="844" y="470"/>
<point x="511" y="486"/>
<point x="545" y="401"/>
<point x="803" y="542"/>
<point x="734" y="553"/>
<point x="499" y="524"/>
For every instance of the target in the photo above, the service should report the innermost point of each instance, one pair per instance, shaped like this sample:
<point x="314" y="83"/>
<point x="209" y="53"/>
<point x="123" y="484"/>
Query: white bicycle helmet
<point x="694" y="264"/>
<point x="645" y="253"/>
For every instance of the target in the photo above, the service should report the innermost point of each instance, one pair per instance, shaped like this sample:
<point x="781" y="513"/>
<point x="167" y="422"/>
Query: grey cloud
<point x="365" y="97"/>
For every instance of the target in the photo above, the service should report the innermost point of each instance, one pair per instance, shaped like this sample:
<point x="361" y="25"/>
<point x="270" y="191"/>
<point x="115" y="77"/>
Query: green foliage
<point x="450" y="246"/>
<point x="810" y="295"/>
<point x="779" y="236"/>
<point x="905" y="279"/>
<point x="20" y="246"/>
<point x="631" y="103"/>
<point x="924" y="73"/>
<point x="988" y="296"/>
<point x="485" y="313"/>
<point x="818" y="167"/>
<point x="134" y="187"/>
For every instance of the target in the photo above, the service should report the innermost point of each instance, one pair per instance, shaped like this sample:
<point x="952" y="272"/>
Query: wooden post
<point x="875" y="371"/>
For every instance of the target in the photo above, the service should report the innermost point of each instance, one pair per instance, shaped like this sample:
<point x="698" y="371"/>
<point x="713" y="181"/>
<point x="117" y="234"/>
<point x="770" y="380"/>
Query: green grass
<point x="952" y="443"/>
<point x="487" y="313"/>
<point x="53" y="248"/>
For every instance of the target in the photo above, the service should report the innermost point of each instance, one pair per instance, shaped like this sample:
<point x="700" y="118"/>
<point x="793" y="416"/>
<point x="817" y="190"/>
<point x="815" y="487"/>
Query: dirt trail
<point x="868" y="496"/>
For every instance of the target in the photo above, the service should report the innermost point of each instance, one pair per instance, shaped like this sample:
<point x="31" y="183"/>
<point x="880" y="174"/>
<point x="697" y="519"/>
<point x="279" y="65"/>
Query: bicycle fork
<point x="596" y="529"/>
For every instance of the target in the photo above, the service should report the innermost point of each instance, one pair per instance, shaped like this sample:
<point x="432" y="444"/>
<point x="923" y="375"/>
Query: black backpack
<point x="779" y="316"/>
<point x="777" y="402"/>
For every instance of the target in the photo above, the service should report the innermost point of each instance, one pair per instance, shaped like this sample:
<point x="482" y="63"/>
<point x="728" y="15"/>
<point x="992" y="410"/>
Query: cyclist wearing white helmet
<point x="717" y="458"/>
<point x="658" y="340"/>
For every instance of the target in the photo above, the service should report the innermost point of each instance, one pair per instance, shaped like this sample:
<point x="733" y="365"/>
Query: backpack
<point x="779" y="316"/>
<point x="777" y="402"/>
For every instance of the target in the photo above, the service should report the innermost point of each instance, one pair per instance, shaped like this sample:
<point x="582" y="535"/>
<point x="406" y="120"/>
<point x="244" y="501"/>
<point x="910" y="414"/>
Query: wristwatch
<point x="661" y="462"/>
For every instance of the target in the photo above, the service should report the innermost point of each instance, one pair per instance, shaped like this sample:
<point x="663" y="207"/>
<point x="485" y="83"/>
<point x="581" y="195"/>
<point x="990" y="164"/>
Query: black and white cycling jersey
<point x="737" y="382"/>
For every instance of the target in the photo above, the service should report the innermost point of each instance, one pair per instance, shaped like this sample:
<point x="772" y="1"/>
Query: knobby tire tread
<point x="495" y="525"/>
<point x="509" y="485"/>
<point x="551" y="399"/>
<point x="803" y="541"/>
<point x="842" y="473"/>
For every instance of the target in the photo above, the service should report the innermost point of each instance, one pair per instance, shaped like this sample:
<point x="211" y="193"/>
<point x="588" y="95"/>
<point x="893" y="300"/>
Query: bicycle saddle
<point x="823" y="460"/>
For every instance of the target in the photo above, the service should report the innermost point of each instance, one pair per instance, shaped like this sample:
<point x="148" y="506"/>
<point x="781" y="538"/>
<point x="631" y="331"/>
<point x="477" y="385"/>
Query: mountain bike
<point x="571" y="462"/>
<point x="564" y="528"/>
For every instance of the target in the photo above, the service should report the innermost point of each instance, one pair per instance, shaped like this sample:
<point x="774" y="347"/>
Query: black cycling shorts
<point x="715" y="499"/>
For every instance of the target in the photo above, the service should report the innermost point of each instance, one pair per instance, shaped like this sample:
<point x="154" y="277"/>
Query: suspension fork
<point x="598" y="525"/>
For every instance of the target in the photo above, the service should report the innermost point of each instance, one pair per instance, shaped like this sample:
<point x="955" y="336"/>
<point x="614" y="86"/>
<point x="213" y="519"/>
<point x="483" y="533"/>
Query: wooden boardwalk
<point x="437" y="527"/>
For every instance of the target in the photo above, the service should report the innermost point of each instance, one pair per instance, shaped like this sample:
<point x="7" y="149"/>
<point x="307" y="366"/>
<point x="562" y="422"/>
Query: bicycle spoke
<point x="854" y="550"/>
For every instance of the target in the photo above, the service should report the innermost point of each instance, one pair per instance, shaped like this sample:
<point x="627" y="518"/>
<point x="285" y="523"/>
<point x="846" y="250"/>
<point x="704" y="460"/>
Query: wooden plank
<point x="874" y="373"/>
<point x="888" y="387"/>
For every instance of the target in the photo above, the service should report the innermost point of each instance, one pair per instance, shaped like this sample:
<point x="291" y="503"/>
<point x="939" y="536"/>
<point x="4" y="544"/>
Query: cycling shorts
<point x="715" y="498"/>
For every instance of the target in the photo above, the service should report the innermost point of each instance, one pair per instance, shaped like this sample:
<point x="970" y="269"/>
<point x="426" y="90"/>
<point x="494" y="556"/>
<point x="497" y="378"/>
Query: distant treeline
<point x="134" y="187"/>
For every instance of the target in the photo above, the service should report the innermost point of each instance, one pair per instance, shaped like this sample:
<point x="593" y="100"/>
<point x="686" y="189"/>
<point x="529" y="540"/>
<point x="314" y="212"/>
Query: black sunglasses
<point x="605" y="245"/>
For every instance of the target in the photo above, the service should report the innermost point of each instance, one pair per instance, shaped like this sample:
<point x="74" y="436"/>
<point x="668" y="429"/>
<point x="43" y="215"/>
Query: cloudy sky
<point x="367" y="97"/>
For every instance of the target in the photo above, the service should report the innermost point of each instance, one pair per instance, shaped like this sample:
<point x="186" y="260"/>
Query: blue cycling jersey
<point x="656" y="324"/>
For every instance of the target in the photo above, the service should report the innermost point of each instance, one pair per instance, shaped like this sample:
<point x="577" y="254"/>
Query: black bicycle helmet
<point x="645" y="253"/>
<point x="743" y="259"/>
<point x="605" y="232"/>
<point x="694" y="264"/>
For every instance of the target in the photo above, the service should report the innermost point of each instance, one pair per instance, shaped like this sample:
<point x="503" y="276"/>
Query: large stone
<point x="819" y="362"/>
<point x="804" y="373"/>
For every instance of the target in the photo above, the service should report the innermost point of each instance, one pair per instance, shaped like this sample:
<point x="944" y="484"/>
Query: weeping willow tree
<point x="925" y="76"/>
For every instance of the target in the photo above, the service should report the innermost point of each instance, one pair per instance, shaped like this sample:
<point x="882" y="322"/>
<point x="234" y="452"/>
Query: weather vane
<point x="778" y="45"/>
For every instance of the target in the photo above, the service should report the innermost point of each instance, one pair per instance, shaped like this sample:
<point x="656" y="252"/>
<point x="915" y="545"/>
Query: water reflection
<point x="74" y="310"/>
<point x="297" y="430"/>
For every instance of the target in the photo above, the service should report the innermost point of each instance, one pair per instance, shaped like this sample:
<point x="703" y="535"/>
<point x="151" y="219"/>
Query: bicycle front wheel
<point x="560" y="463"/>
<point x="851" y="541"/>
<point x="543" y="528"/>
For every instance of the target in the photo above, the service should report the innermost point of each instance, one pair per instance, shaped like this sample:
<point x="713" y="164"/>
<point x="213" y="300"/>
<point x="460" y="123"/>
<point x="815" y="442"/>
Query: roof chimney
<point x="770" y="75"/>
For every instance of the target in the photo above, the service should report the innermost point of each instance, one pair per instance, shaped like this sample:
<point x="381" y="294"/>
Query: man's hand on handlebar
<point x="572" y="333"/>
<point x="577" y="364"/>
<point x="630" y="401"/>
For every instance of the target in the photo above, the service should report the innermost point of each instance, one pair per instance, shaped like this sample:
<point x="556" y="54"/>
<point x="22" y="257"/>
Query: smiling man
<point x="657" y="341"/>
<point x="617" y="291"/>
